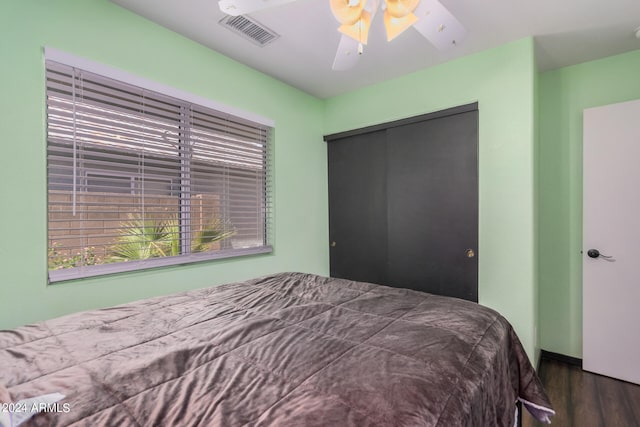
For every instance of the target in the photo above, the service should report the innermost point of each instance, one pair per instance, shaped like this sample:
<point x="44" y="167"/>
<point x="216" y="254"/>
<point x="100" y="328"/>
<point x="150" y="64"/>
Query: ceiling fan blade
<point x="243" y="7"/>
<point x="347" y="54"/>
<point x="438" y="25"/>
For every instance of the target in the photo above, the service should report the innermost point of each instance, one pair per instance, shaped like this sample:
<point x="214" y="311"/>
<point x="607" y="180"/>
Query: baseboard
<point x="569" y="360"/>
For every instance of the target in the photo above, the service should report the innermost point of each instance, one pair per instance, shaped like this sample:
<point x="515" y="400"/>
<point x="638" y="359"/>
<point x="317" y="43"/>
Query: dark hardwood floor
<point x="583" y="399"/>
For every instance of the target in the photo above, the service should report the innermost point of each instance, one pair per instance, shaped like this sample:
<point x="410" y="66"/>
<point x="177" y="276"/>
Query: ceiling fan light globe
<point x="345" y="13"/>
<point x="401" y="8"/>
<point x="359" y="31"/>
<point x="396" y="26"/>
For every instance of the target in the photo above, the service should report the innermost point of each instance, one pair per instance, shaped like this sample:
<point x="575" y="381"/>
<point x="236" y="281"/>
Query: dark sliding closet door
<point x="432" y="202"/>
<point x="403" y="204"/>
<point x="358" y="207"/>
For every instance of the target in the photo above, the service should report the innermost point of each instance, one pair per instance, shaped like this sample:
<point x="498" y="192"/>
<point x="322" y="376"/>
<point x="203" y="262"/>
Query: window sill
<point x="63" y="275"/>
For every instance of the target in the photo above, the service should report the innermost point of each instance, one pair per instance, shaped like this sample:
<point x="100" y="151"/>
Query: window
<point x="140" y="179"/>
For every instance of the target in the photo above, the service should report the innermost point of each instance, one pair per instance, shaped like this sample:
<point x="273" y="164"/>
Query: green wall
<point x="103" y="32"/>
<point x="536" y="211"/>
<point x="564" y="94"/>
<point x="502" y="80"/>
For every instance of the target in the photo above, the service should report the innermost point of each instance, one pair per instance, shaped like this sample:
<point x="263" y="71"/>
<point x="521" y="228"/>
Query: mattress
<point x="288" y="349"/>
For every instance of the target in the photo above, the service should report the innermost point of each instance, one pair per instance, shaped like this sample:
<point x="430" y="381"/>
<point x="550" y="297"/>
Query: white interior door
<point x="611" y="221"/>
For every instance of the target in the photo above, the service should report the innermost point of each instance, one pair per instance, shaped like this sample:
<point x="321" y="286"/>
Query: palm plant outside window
<point x="139" y="179"/>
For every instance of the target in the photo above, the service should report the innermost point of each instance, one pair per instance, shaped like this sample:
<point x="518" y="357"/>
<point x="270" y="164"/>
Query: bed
<point x="289" y="349"/>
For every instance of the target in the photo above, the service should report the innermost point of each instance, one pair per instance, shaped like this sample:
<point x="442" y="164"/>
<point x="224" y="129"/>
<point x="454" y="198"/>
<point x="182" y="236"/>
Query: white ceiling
<point x="566" y="32"/>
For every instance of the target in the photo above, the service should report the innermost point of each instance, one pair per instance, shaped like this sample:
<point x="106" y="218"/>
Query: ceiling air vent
<point x="250" y="29"/>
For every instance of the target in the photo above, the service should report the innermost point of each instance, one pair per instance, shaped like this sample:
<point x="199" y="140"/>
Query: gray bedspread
<point x="290" y="349"/>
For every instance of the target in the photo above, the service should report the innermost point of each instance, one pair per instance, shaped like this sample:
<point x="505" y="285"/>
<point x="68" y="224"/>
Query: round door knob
<point x="470" y="253"/>
<point x="333" y="244"/>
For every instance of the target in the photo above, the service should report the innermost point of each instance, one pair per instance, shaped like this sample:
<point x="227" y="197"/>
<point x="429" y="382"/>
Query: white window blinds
<point x="138" y="179"/>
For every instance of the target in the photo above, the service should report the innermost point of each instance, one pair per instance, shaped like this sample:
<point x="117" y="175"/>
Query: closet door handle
<point x="470" y="253"/>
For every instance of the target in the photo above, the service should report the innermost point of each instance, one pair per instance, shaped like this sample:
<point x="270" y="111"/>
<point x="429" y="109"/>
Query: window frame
<point x="81" y="272"/>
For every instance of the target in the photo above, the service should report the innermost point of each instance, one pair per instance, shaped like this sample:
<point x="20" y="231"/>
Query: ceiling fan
<point x="429" y="17"/>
